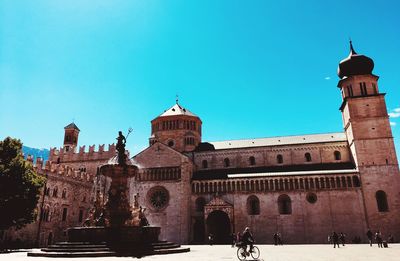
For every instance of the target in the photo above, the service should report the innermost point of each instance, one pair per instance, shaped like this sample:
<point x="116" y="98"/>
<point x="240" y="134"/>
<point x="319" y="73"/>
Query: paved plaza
<point x="268" y="252"/>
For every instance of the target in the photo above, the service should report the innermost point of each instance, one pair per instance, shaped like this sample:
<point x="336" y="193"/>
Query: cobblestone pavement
<point x="268" y="252"/>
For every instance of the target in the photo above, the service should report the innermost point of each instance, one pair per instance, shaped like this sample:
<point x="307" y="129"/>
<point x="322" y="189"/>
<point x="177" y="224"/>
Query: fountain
<point x="115" y="227"/>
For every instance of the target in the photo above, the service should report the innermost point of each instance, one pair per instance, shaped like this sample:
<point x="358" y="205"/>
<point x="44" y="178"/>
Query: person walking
<point x="276" y="239"/>
<point x="369" y="236"/>
<point x="335" y="239"/>
<point x="342" y="238"/>
<point x="378" y="238"/>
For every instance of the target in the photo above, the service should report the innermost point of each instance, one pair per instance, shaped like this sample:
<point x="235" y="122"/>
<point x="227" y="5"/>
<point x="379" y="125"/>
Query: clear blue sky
<point x="247" y="68"/>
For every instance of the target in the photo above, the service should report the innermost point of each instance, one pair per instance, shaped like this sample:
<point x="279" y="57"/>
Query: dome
<point x="355" y="64"/>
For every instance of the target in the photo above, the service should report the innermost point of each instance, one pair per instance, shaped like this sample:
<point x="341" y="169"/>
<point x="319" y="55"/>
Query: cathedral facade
<point x="303" y="187"/>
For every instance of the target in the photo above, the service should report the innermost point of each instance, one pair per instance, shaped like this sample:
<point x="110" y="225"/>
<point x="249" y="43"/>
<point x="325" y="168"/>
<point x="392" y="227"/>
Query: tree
<point x="19" y="186"/>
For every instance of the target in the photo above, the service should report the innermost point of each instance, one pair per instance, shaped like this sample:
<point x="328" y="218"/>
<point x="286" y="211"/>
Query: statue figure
<point x="121" y="140"/>
<point x="143" y="220"/>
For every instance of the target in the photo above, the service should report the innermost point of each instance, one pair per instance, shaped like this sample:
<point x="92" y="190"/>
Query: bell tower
<point x="71" y="134"/>
<point x="368" y="131"/>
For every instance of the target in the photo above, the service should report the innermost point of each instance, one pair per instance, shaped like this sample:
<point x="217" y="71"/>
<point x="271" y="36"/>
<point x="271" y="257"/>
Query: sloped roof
<point x="177" y="110"/>
<point x="276" y="141"/>
<point x="72" y="126"/>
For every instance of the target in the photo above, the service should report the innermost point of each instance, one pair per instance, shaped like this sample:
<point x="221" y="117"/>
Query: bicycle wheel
<point x="241" y="253"/>
<point x="255" y="252"/>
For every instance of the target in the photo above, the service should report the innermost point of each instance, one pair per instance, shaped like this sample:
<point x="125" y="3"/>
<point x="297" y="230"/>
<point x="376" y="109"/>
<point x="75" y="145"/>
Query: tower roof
<point x="355" y="64"/>
<point x="177" y="110"/>
<point x="72" y="125"/>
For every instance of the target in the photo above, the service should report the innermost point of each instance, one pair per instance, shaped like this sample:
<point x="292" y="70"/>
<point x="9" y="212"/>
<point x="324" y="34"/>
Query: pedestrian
<point x="280" y="242"/>
<point x="233" y="238"/>
<point x="335" y="239"/>
<point x="369" y="236"/>
<point x="378" y="238"/>
<point x="342" y="238"/>
<point x="276" y="239"/>
<point x="210" y="239"/>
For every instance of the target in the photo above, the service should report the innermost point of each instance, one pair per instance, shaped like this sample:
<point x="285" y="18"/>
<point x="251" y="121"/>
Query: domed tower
<point x="71" y="134"/>
<point x="368" y="131"/>
<point x="178" y="128"/>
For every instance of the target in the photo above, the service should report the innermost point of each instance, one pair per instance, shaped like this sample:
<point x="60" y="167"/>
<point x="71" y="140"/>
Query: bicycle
<point x="242" y="254"/>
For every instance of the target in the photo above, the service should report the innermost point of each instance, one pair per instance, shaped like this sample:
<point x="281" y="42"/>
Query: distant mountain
<point x="44" y="153"/>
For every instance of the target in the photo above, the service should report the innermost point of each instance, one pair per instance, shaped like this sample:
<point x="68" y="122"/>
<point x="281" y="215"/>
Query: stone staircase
<point x="85" y="249"/>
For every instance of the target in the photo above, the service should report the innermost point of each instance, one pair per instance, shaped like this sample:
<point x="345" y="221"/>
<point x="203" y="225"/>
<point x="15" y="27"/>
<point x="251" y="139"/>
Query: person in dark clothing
<point x="369" y="235"/>
<point x="378" y="238"/>
<point x="342" y="238"/>
<point x="335" y="239"/>
<point x="233" y="238"/>
<point x="247" y="239"/>
<point x="276" y="239"/>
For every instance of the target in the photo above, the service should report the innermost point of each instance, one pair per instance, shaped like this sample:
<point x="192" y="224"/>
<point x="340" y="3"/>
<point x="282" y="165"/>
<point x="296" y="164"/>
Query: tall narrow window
<point x="252" y="160"/>
<point x="55" y="192"/>
<point x="284" y="205"/>
<point x="363" y="88"/>
<point x="338" y="156"/>
<point x="307" y="157"/>
<point x="64" y="193"/>
<point x="227" y="162"/>
<point x="350" y="90"/>
<point x="279" y="159"/>
<point x="204" y="164"/>
<point x="381" y="201"/>
<point x="80" y="215"/>
<point x="253" y="205"/>
<point x="64" y="214"/>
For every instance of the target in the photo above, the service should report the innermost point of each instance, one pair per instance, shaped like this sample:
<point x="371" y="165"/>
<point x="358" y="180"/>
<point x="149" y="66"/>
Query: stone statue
<point x="121" y="140"/>
<point x="143" y="220"/>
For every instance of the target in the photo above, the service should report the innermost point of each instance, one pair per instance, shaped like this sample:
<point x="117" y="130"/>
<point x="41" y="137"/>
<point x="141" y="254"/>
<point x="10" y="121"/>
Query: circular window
<point x="158" y="198"/>
<point x="311" y="197"/>
<point x="171" y="143"/>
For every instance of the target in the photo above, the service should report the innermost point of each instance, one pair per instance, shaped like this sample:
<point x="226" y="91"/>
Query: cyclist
<point x="247" y="239"/>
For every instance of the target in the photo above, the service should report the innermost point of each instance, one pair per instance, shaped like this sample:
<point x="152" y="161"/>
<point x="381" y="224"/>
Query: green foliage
<point x="19" y="186"/>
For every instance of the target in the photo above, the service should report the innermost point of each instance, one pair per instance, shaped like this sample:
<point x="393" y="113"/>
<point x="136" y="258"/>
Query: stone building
<point x="302" y="186"/>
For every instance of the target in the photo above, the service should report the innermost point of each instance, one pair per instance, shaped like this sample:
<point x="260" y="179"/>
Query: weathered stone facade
<point x="304" y="186"/>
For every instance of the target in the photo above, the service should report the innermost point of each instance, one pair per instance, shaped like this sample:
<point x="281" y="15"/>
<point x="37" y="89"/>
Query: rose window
<point x="158" y="198"/>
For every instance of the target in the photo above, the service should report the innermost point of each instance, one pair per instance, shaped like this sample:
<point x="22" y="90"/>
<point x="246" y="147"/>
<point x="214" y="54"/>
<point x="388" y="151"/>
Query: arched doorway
<point x="219" y="225"/>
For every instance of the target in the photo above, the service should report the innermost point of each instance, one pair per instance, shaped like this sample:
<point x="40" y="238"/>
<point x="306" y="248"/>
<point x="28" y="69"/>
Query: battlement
<point x="67" y="171"/>
<point x="61" y="155"/>
<point x="59" y="169"/>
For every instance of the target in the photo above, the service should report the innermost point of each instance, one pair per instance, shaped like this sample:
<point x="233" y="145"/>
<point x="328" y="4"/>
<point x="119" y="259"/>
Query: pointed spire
<point x="351" y="48"/>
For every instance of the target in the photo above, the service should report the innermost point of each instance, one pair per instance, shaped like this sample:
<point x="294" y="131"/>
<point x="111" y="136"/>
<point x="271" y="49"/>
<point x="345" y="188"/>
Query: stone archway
<point x="219" y="225"/>
<point x="218" y="215"/>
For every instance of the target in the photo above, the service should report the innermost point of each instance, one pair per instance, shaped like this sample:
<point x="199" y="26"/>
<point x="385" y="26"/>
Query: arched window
<point x="200" y="202"/>
<point x="55" y="192"/>
<point x="64" y="193"/>
<point x="279" y="159"/>
<point x="47" y="191"/>
<point x="252" y="161"/>
<point x="204" y="164"/>
<point x="253" y="205"/>
<point x="227" y="162"/>
<point x="307" y="157"/>
<point x="381" y="201"/>
<point x="284" y="205"/>
<point x="337" y="154"/>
